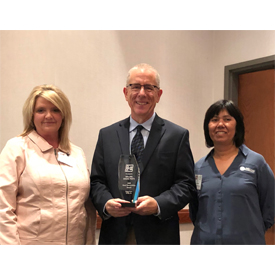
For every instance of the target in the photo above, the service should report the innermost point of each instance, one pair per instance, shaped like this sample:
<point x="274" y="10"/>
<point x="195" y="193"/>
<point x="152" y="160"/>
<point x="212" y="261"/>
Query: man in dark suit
<point x="167" y="181"/>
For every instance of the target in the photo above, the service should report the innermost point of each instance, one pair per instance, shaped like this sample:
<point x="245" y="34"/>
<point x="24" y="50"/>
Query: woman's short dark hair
<point x="234" y="111"/>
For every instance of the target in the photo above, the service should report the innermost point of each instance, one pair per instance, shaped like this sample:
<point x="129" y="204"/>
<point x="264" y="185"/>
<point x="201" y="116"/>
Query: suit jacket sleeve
<point x="183" y="188"/>
<point x="99" y="192"/>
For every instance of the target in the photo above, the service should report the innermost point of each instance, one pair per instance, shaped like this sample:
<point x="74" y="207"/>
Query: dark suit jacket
<point x="166" y="173"/>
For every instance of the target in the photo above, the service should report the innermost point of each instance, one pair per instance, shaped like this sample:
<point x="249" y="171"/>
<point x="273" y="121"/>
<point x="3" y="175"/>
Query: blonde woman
<point x="44" y="180"/>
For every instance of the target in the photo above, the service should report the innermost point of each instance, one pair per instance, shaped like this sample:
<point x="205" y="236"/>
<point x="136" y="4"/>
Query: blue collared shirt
<point x="145" y="132"/>
<point x="236" y="207"/>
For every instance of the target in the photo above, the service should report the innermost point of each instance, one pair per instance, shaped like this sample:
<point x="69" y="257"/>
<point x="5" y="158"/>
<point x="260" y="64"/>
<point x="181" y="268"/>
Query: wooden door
<point x="256" y="100"/>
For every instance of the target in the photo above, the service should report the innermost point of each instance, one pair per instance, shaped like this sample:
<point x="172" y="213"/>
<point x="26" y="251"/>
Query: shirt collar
<point x="209" y="154"/>
<point x="147" y="124"/>
<point x="41" y="142"/>
<point x="243" y="149"/>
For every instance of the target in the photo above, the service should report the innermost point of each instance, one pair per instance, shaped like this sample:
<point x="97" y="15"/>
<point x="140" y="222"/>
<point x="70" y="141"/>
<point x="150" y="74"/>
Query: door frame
<point x="232" y="72"/>
<point x="231" y="83"/>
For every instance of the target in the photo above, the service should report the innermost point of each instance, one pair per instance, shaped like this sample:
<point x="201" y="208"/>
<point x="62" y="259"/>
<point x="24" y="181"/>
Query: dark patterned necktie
<point x="137" y="145"/>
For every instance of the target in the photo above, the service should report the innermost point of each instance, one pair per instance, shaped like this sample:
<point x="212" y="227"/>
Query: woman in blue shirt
<point x="235" y="184"/>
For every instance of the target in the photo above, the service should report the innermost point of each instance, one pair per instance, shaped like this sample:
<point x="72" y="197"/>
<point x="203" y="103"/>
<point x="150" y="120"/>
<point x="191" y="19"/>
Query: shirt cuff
<point x="158" y="214"/>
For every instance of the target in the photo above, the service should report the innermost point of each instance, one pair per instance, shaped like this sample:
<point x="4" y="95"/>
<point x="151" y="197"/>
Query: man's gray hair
<point x="146" y="67"/>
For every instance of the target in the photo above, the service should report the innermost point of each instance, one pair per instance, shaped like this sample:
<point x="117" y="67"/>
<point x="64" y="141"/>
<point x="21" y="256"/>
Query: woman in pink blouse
<point x="44" y="179"/>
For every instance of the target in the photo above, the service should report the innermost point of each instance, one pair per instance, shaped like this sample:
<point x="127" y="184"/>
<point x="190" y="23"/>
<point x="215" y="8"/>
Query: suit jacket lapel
<point x="123" y="135"/>
<point x="157" y="131"/>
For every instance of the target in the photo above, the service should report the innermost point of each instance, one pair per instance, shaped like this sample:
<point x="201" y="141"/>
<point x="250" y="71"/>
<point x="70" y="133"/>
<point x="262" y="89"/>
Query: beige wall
<point x="91" y="68"/>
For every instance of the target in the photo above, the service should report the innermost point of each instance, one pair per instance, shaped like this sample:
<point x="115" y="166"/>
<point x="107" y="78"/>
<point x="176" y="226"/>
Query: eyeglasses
<point x="136" y="87"/>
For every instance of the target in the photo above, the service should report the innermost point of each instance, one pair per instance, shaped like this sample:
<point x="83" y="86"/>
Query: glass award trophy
<point x="128" y="179"/>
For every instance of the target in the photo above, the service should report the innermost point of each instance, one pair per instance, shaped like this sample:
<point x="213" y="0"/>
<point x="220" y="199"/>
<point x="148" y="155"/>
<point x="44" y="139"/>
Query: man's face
<point x="142" y="103"/>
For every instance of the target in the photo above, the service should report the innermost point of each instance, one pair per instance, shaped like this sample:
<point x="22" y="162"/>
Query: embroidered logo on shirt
<point x="242" y="168"/>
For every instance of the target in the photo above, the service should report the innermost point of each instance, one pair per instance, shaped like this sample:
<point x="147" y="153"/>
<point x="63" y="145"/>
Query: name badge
<point x="64" y="158"/>
<point x="198" y="179"/>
